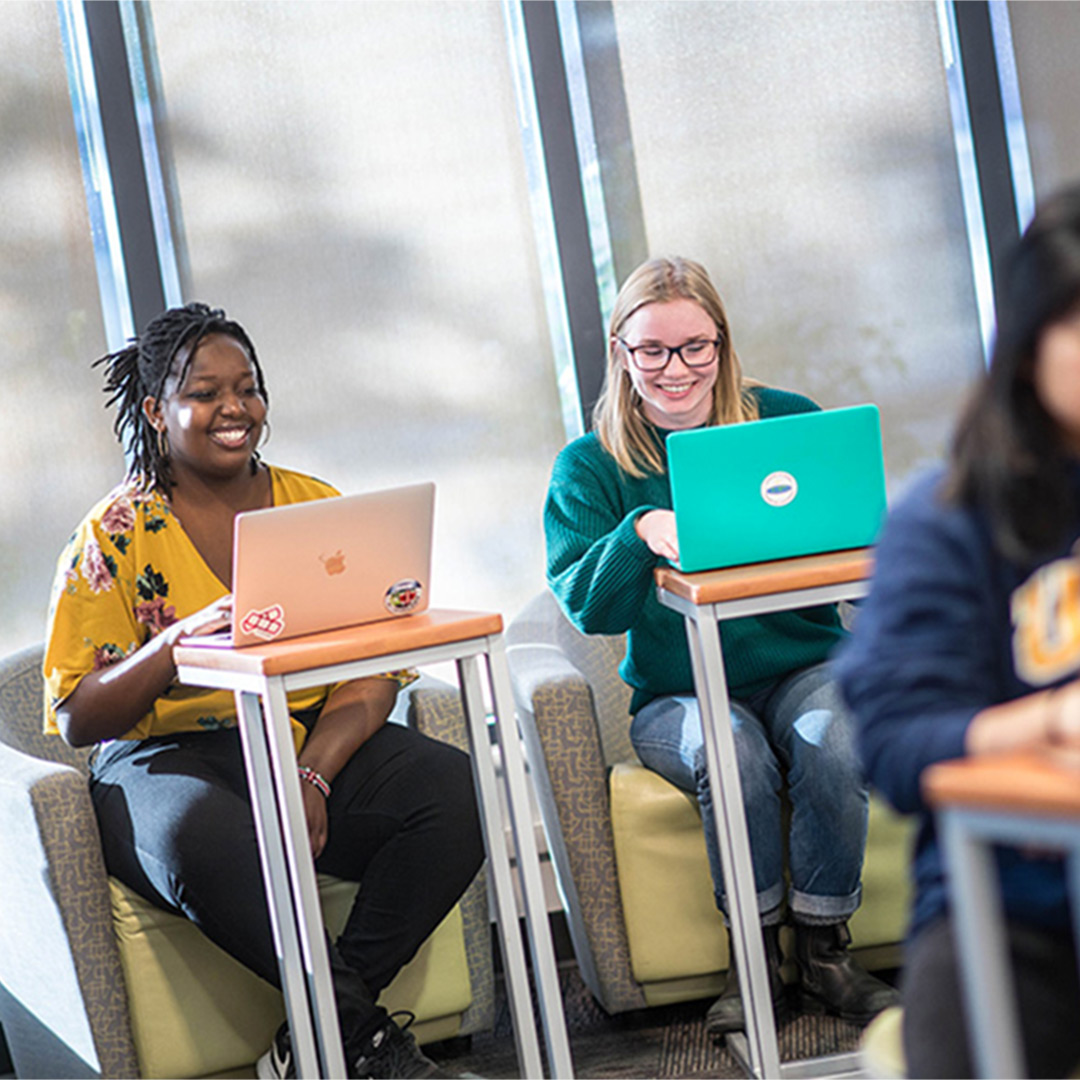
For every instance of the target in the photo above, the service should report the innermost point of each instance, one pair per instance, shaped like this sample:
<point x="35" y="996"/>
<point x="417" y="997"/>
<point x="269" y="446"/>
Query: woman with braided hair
<point x="152" y="563"/>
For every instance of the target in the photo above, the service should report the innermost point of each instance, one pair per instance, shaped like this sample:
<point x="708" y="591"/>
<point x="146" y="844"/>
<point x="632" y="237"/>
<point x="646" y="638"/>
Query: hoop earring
<point x="264" y="438"/>
<point x="163" y="444"/>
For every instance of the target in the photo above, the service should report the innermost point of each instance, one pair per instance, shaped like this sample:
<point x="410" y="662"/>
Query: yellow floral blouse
<point x="128" y="572"/>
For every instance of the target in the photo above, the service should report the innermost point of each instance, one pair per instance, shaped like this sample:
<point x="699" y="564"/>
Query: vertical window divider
<point x="147" y="98"/>
<point x="103" y="93"/>
<point x="967" y="165"/>
<point x="601" y="120"/>
<point x="588" y="155"/>
<point x="990" y="139"/>
<point x="97" y="177"/>
<point x="1013" y="110"/>
<point x="544" y="230"/>
<point x="554" y="169"/>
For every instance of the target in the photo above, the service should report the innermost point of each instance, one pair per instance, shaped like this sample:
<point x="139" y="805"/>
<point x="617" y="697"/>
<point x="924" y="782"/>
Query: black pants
<point x="177" y="827"/>
<point x="1047" y="990"/>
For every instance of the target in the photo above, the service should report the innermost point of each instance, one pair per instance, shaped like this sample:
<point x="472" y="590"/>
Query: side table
<point x="260" y="676"/>
<point x="705" y="599"/>
<point x="1020" y="799"/>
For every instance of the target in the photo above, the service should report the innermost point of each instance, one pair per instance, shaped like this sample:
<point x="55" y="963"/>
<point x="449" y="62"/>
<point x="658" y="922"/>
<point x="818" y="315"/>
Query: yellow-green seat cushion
<point x="882" y="1046"/>
<point x="195" y="1011"/>
<point x="881" y="919"/>
<point x="678" y="946"/>
<point x="672" y="923"/>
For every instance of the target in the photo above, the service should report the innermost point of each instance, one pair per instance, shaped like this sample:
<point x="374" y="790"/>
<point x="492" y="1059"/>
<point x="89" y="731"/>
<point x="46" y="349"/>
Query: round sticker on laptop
<point x="779" y="488"/>
<point x="403" y="596"/>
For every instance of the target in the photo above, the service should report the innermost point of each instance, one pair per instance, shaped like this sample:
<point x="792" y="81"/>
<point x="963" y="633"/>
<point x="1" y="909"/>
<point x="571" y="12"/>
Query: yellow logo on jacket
<point x="1046" y="620"/>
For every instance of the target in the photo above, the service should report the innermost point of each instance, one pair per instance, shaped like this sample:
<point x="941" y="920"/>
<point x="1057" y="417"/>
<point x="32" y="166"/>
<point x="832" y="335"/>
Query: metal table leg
<point x="703" y="636"/>
<point x="1074" y="894"/>
<point x="758" y="1049"/>
<point x="528" y="860"/>
<point x="502" y="885"/>
<point x="289" y="876"/>
<point x="984" y="960"/>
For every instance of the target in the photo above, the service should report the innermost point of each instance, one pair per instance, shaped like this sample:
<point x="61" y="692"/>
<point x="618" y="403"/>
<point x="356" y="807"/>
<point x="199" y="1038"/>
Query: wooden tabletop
<point x="1024" y="783"/>
<point x="382" y="638"/>
<point x="762" y="579"/>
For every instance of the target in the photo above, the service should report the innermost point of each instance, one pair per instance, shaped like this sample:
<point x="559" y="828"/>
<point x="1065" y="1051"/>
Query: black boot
<point x="726" y="1013"/>
<point x="830" y="979"/>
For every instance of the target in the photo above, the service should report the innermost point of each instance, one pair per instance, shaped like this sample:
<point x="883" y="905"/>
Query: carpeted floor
<point x="651" y="1043"/>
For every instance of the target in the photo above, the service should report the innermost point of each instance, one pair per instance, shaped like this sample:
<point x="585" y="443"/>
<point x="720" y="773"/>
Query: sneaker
<point x="391" y="1052"/>
<point x="277" y="1063"/>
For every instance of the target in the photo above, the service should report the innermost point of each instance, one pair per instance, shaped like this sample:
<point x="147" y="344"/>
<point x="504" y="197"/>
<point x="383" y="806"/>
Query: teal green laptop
<point x="777" y="488"/>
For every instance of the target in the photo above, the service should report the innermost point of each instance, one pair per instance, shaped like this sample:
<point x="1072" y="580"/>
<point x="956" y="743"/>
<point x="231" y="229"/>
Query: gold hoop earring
<point x="163" y="444"/>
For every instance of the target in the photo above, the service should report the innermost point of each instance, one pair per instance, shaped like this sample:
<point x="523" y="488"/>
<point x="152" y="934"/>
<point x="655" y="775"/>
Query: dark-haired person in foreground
<point x="970" y="644"/>
<point x="152" y="563"/>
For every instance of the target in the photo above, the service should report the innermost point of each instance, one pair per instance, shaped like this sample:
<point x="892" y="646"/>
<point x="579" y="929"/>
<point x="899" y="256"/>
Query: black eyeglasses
<point x="651" y="357"/>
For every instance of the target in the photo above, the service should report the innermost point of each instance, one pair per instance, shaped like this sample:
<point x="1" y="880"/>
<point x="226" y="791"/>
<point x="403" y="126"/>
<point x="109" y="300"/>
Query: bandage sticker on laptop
<point x="266" y="624"/>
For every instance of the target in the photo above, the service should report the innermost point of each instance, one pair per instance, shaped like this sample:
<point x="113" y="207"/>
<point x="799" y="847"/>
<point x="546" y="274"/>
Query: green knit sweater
<point x="601" y="572"/>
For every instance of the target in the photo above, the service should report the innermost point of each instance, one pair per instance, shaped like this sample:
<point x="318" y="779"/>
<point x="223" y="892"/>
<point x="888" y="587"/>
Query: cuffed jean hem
<point x="769" y="904"/>
<point x="823" y="910"/>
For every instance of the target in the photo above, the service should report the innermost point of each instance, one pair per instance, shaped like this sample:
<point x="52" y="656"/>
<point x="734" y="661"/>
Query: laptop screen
<point x="777" y="488"/>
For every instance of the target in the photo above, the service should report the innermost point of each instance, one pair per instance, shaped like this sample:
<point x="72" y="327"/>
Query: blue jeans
<point x="797" y="730"/>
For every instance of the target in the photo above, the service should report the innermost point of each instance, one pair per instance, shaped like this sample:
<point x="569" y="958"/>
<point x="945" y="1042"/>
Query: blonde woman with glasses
<point x="608" y="522"/>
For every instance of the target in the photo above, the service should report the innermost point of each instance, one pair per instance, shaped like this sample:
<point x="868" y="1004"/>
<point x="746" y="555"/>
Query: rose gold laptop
<point x="319" y="565"/>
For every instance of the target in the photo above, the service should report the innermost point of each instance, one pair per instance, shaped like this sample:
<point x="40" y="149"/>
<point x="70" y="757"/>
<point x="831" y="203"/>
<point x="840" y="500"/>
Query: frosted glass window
<point x="1045" y="38"/>
<point x="57" y="451"/>
<point x="804" y="152"/>
<point x="353" y="191"/>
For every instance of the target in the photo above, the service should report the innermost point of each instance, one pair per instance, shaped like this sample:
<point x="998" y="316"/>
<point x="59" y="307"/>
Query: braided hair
<point x="140" y="371"/>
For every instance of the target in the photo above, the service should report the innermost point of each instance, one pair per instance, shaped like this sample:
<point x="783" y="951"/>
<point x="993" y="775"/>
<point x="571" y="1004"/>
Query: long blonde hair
<point x="618" y="419"/>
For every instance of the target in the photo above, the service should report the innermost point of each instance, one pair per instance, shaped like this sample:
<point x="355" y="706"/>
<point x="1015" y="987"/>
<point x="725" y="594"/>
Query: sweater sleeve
<point x="925" y="654"/>
<point x="598" y="567"/>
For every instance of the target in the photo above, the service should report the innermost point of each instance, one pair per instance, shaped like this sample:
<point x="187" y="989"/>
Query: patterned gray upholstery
<point x="573" y="709"/>
<point x="63" y="1005"/>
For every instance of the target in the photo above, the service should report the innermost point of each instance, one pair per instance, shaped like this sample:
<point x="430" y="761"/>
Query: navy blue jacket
<point x="950" y="627"/>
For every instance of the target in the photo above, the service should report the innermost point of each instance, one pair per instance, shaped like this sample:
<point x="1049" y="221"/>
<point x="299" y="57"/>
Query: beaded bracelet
<point x="314" y="778"/>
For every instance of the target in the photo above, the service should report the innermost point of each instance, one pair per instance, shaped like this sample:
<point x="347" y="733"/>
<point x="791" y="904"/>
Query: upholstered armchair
<point x="94" y="981"/>
<point x="628" y="847"/>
